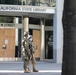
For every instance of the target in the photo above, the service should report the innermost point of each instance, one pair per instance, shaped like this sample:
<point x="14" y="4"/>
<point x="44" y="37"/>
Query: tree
<point x="69" y="47"/>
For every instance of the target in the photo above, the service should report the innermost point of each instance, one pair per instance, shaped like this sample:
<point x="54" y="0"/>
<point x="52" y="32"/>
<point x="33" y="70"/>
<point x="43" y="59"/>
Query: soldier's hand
<point x="25" y="58"/>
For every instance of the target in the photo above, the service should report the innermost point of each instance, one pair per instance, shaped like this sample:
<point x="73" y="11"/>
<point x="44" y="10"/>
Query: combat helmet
<point x="25" y="33"/>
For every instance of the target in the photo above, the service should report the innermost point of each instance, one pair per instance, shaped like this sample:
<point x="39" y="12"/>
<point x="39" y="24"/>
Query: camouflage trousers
<point x="27" y="61"/>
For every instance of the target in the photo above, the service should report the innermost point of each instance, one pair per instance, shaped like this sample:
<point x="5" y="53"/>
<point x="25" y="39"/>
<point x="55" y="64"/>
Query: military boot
<point x="27" y="70"/>
<point x="34" y="70"/>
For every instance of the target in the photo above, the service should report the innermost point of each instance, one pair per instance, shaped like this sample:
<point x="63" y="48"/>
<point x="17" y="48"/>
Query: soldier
<point x="32" y="58"/>
<point x="26" y="52"/>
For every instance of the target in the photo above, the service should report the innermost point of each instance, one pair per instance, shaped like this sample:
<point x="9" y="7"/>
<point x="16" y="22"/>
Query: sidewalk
<point x="43" y="67"/>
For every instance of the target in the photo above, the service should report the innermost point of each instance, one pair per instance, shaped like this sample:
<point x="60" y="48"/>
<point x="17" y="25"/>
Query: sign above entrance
<point x="31" y="9"/>
<point x="10" y="25"/>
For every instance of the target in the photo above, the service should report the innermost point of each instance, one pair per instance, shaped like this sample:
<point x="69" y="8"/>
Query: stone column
<point x="42" y="23"/>
<point x="16" y="21"/>
<point x="25" y="23"/>
<point x="58" y="32"/>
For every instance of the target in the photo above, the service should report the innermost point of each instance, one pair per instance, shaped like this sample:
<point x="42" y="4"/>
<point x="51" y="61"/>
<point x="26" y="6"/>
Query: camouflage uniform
<point x="32" y="58"/>
<point x="27" y="54"/>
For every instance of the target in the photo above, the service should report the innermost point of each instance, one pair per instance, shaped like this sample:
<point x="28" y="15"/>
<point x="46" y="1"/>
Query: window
<point x="34" y="21"/>
<point x="48" y="22"/>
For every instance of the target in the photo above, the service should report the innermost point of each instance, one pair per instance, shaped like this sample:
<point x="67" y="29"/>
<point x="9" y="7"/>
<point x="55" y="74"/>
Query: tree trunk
<point x="69" y="48"/>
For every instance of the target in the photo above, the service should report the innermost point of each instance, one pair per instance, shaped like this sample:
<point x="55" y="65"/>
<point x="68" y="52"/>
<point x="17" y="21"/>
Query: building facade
<point x="42" y="18"/>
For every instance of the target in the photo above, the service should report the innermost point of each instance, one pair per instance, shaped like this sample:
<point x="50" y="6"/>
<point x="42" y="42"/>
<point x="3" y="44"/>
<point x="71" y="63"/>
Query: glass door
<point x="48" y="44"/>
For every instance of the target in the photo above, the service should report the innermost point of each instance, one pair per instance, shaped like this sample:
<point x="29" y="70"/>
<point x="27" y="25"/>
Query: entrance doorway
<point x="48" y="44"/>
<point x="36" y="41"/>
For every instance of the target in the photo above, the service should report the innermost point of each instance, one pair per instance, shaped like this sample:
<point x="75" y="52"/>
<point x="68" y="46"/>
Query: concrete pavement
<point x="16" y="68"/>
